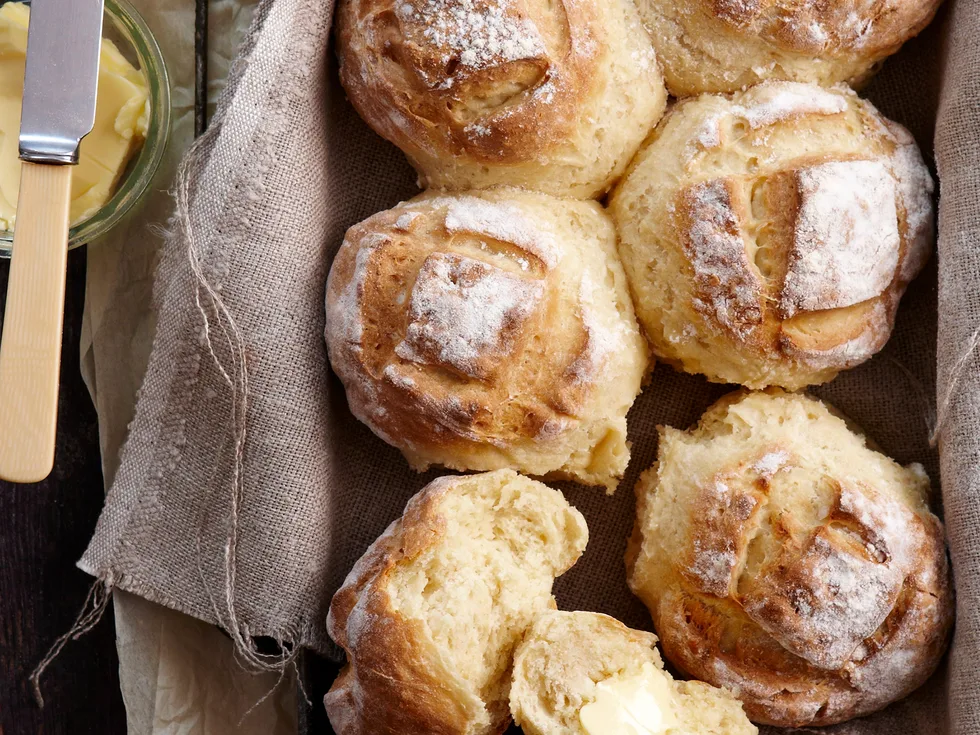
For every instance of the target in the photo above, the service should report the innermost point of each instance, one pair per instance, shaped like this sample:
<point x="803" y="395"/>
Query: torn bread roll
<point x="431" y="614"/>
<point x="489" y="330"/>
<point x="584" y="673"/>
<point x="727" y="45"/>
<point x="784" y="559"/>
<point x="551" y="96"/>
<point x="769" y="235"/>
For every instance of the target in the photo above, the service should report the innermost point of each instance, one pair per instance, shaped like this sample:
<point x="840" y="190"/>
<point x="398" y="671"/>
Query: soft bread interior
<point x="506" y="539"/>
<point x="566" y="654"/>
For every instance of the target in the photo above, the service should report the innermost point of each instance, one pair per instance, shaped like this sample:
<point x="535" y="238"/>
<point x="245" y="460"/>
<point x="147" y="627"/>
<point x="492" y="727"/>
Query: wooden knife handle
<point x="30" y="346"/>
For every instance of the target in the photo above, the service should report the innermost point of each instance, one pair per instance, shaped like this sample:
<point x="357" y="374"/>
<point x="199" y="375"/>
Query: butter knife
<point x="60" y="82"/>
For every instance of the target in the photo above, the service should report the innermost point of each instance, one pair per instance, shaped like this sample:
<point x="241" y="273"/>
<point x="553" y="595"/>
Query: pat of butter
<point x="641" y="704"/>
<point x="121" y="116"/>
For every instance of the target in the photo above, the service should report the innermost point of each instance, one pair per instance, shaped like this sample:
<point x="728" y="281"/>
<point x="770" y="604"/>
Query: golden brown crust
<point x="397" y="679"/>
<point x="816" y="590"/>
<point x="486" y="331"/>
<point x="409" y="68"/>
<point x="795" y="216"/>
<point x="757" y="303"/>
<point x="828" y="28"/>
<point x="726" y="288"/>
<point x="724" y="45"/>
<point x="730" y="515"/>
<point x="483" y="92"/>
<point x="391" y="689"/>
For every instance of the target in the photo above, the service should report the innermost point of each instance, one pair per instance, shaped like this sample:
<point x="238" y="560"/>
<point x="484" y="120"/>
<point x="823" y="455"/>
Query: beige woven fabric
<point x="958" y="159"/>
<point x="246" y="490"/>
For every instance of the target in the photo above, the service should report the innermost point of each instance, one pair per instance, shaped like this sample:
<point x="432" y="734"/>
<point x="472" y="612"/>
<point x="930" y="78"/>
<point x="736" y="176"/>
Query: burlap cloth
<point x="246" y="490"/>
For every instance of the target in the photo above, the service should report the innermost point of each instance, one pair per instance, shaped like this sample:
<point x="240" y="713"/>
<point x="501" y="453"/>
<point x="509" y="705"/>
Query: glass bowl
<point x="127" y="29"/>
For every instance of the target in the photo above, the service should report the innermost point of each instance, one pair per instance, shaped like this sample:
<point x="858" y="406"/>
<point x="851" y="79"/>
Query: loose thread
<point x="289" y="661"/>
<point x="302" y="687"/>
<point x="98" y="597"/>
<point x="928" y="412"/>
<point x="235" y="375"/>
<point x="264" y="697"/>
<point x="955" y="373"/>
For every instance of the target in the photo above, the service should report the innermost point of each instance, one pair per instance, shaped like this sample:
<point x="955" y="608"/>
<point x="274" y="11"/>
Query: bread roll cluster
<point x="450" y="626"/>
<point x="759" y="230"/>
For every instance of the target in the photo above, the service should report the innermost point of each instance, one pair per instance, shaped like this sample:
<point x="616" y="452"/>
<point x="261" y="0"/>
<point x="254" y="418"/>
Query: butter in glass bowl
<point x="128" y="114"/>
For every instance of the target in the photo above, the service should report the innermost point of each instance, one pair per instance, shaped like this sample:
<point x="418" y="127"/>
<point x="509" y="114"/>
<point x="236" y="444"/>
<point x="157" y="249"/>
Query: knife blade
<point x="64" y="40"/>
<point x="61" y="77"/>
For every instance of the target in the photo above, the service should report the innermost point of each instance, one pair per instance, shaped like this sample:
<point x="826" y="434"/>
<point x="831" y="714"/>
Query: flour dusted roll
<point x="768" y="236"/>
<point x="784" y="559"/>
<point x="489" y="330"/>
<point x="584" y="673"/>
<point x="726" y="45"/>
<point x="431" y="614"/>
<point x="551" y="96"/>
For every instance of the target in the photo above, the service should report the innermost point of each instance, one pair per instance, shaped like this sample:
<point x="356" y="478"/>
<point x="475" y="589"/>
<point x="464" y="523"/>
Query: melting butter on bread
<point x="577" y="673"/>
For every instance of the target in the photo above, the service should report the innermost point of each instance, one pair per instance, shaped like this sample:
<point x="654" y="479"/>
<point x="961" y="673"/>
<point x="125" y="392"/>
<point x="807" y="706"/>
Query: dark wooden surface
<point x="44" y="529"/>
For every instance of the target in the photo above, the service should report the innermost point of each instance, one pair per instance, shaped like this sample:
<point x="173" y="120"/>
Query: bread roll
<point x="568" y="658"/>
<point x="768" y="236"/>
<point x="489" y="330"/>
<point x="551" y="96"/>
<point x="784" y="559"/>
<point x="430" y="615"/>
<point x="726" y="45"/>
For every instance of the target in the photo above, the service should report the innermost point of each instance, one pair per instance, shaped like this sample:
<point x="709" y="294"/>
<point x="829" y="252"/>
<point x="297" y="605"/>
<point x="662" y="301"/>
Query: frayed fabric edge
<point x="94" y="607"/>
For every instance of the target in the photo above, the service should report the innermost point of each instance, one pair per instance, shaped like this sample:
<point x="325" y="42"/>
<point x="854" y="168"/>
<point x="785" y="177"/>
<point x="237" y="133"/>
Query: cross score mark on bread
<point x="785" y="560"/>
<point x="831" y="241"/>
<point x="769" y="236"/>
<point x="552" y="96"/>
<point x="489" y="330"/>
<point x="465" y="314"/>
